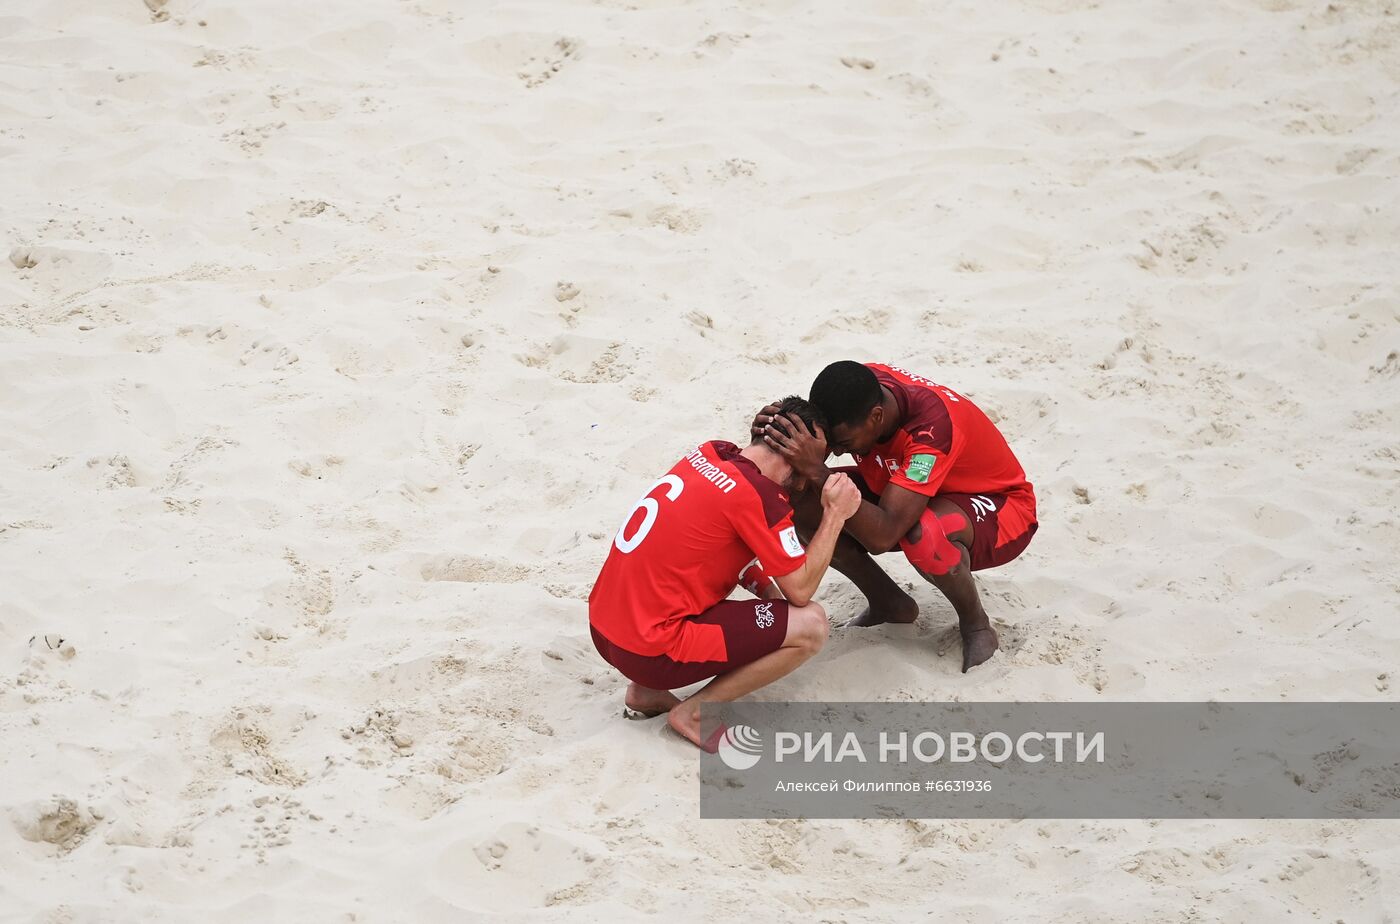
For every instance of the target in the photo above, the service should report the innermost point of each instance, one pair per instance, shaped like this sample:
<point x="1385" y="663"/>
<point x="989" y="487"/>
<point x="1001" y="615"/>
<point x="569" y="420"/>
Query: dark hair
<point x="845" y="392"/>
<point x="804" y="411"/>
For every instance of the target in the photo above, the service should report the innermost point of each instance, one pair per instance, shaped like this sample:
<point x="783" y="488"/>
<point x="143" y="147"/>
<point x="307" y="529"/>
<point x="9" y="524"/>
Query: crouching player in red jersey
<point x="720" y="516"/>
<point x="939" y="482"/>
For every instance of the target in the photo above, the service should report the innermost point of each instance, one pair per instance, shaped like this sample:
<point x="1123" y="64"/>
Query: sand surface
<point x="336" y="338"/>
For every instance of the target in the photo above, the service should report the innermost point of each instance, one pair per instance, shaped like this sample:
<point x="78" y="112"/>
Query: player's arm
<point x="879" y="528"/>
<point x="757" y="582"/>
<point x="840" y="499"/>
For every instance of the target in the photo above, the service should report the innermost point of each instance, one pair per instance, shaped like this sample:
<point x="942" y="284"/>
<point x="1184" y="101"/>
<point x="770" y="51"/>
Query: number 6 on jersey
<point x="626" y="543"/>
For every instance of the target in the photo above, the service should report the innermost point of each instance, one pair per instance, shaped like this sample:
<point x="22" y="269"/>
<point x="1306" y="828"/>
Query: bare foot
<point x="978" y="646"/>
<point x="647" y="701"/>
<point x="902" y="609"/>
<point x="685" y="719"/>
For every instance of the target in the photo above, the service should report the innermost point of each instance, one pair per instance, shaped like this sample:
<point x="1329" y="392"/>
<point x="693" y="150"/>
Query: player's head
<point x="806" y="412"/>
<point x="848" y="395"/>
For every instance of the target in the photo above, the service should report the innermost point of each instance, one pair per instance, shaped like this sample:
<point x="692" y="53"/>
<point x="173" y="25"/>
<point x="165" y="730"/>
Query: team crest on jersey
<point x="763" y="615"/>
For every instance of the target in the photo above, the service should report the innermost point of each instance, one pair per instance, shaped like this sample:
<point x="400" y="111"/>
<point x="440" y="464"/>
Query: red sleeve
<point x="930" y="442"/>
<point x="778" y="549"/>
<point x="922" y="468"/>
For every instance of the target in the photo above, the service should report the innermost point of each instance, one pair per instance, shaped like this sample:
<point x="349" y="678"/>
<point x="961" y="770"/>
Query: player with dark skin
<point x="878" y="528"/>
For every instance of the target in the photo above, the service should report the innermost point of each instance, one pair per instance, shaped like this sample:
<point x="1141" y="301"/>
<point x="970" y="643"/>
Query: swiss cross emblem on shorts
<point x="763" y="615"/>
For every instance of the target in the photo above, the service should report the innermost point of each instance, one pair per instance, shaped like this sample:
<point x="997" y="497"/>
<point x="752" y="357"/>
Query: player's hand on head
<point x="805" y="448"/>
<point x="762" y="419"/>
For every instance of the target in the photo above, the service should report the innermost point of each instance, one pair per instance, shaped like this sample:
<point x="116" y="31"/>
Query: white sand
<point x="354" y="328"/>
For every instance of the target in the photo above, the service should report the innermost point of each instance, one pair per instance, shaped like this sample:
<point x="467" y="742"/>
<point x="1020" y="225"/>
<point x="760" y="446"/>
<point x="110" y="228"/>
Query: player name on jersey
<point x="710" y="472"/>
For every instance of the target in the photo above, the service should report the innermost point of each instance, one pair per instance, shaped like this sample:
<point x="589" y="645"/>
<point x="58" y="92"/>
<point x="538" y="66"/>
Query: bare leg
<point x="978" y="637"/>
<point x="807" y="631"/>
<point x="886" y="602"/>
<point x="647" y="701"/>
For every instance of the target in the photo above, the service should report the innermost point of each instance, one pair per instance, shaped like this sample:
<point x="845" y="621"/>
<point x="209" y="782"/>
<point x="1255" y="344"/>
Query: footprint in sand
<point x="572" y="656"/>
<point x="873" y="321"/>
<point x="113" y="472"/>
<point x="518" y="864"/>
<point x="582" y="360"/>
<point x="473" y="569"/>
<point x="273" y="817"/>
<point x="1387" y="369"/>
<point x="533" y="58"/>
<point x="379" y="737"/>
<point x="62" y="269"/>
<point x="59" y="821"/>
<point x="720" y="41"/>
<point x="248" y="750"/>
<point x="676" y="219"/>
<point x="268" y="354"/>
<point x="539" y="70"/>
<point x="317" y="468"/>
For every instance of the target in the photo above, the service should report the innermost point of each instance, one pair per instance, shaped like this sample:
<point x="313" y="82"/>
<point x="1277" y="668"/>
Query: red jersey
<point x="946" y="445"/>
<point x="682" y="549"/>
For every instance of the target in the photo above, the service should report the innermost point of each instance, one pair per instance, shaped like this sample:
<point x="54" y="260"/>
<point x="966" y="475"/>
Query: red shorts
<point x="752" y="629"/>
<point x="992" y="516"/>
<point x="1002" y="524"/>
